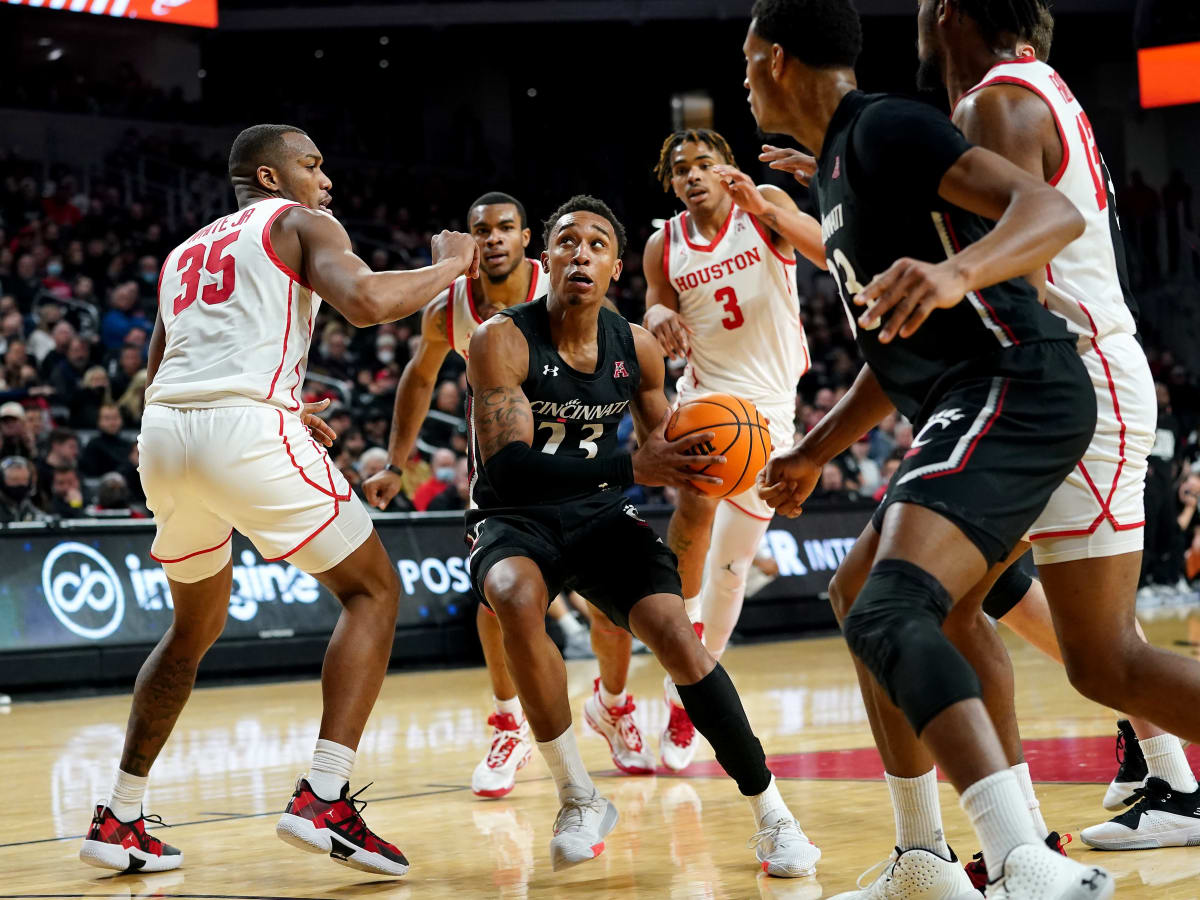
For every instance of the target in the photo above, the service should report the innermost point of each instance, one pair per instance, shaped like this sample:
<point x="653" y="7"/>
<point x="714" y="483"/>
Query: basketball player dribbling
<point x="226" y="444"/>
<point x="1005" y="406"/>
<point x="551" y="380"/>
<point x="498" y="224"/>
<point x="721" y="292"/>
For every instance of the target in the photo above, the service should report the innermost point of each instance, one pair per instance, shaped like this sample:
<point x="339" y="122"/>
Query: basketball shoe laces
<point x="773" y="832"/>
<point x="354" y="824"/>
<point x="508" y="734"/>
<point x="626" y="727"/>
<point x="680" y="726"/>
<point x="573" y="809"/>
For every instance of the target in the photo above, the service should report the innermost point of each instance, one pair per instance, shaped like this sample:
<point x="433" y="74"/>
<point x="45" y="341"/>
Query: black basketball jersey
<point x="877" y="189"/>
<point x="575" y="413"/>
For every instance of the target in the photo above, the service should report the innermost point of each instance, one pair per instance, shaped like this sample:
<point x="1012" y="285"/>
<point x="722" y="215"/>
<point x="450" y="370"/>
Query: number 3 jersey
<point x="575" y="414"/>
<point x="877" y="187"/>
<point x="738" y="295"/>
<point x="238" y="321"/>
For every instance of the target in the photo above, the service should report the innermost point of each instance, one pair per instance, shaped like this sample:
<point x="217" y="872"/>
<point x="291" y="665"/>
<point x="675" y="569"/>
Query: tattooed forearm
<point x="502" y="415"/>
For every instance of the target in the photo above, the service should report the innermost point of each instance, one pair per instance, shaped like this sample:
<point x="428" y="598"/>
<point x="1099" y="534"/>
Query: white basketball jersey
<point x="1085" y="282"/>
<point x="238" y="320"/>
<point x="462" y="318"/>
<point x="738" y="296"/>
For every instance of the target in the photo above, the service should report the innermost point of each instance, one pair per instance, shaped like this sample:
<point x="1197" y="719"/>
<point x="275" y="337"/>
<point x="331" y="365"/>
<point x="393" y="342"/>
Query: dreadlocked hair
<point x="662" y="170"/>
<point x="996" y="17"/>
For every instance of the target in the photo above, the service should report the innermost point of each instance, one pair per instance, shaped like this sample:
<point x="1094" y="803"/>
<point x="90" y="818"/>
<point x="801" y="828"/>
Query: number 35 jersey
<point x="877" y="187"/>
<point x="738" y="296"/>
<point x="238" y="321"/>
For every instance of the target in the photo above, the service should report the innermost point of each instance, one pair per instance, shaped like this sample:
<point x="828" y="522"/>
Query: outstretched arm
<point x="773" y="207"/>
<point x="328" y="263"/>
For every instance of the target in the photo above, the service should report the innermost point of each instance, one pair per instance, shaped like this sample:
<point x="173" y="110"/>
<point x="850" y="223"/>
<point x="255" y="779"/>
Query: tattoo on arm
<point x="502" y="415"/>
<point x="439" y="323"/>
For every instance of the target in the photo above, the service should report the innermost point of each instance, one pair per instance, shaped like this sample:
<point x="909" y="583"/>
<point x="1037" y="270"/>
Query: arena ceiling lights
<point x="200" y="13"/>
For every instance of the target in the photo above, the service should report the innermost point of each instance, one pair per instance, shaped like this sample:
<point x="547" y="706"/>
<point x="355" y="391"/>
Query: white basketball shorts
<point x="781" y="421"/>
<point x="1099" y="510"/>
<point x="253" y="468"/>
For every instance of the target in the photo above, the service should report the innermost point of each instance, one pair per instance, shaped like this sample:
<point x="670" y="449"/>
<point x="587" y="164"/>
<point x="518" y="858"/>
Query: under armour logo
<point x="619" y="370"/>
<point x="549" y="369"/>
<point x="1092" y="880"/>
<point x="837" y="166"/>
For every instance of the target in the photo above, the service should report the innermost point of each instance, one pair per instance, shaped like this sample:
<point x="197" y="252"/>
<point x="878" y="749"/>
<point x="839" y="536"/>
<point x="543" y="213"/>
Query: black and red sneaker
<point x="337" y="828"/>
<point x="125" y="846"/>
<point x="977" y="868"/>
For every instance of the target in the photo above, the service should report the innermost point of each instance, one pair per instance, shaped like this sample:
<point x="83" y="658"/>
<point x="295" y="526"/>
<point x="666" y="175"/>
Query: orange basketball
<point x="742" y="438"/>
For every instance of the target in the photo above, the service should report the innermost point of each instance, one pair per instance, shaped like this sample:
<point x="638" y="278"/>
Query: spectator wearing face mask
<point x="16" y="492"/>
<point x="458" y="495"/>
<point x="443" y="463"/>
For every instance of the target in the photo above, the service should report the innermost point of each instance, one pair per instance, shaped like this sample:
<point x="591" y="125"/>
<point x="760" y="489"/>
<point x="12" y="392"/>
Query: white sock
<point x="610" y="701"/>
<point x="918" y="813"/>
<point x="566" y="765"/>
<point x="999" y="816"/>
<point x="570" y="625"/>
<point x="330" y="771"/>
<point x="127" y="793"/>
<point x="768" y="806"/>
<point x="1021" y="770"/>
<point x="1165" y="760"/>
<point x="693" y="608"/>
<point x="511" y="707"/>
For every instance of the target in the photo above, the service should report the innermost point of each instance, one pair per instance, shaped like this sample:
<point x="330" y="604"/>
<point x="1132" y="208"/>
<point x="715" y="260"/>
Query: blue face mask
<point x="444" y="473"/>
<point x="54" y="269"/>
<point x="149" y="277"/>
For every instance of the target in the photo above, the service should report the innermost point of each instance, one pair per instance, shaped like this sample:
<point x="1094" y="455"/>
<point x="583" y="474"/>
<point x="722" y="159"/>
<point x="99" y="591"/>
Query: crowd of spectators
<point x="78" y="285"/>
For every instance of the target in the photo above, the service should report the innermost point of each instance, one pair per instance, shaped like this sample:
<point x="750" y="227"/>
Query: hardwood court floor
<point x="229" y="768"/>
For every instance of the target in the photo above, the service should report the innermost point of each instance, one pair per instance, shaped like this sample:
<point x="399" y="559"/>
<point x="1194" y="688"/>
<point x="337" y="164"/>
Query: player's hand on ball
<point x="659" y="461"/>
<point x="669" y="328"/>
<point x="909" y="290"/>
<point x="787" y="480"/>
<point x="458" y="246"/>
<point x="801" y="166"/>
<point x="319" y="427"/>
<point x="381" y="488"/>
<point x="741" y="187"/>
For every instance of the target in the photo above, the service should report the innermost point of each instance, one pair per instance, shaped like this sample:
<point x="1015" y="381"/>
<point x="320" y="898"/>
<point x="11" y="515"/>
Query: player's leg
<point x="117" y="837"/>
<point x="737" y="533"/>
<point x="609" y="710"/>
<point x="516" y="589"/>
<point x="688" y="534"/>
<point x="511" y="745"/>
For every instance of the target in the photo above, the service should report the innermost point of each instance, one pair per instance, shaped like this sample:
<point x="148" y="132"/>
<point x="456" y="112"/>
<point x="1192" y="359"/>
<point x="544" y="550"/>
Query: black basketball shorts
<point x="996" y="441"/>
<point x="610" y="554"/>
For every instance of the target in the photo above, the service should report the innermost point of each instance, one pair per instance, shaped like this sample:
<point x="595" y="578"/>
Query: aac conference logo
<point x="70" y="584"/>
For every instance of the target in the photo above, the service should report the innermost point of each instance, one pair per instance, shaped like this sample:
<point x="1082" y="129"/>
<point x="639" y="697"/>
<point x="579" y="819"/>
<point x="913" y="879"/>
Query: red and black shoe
<point x="125" y="846"/>
<point x="977" y="868"/>
<point x="337" y="828"/>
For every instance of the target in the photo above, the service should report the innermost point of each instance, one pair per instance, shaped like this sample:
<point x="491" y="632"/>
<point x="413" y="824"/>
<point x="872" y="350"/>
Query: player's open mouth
<point x="496" y="257"/>
<point x="698" y="194"/>
<point x="579" y="278"/>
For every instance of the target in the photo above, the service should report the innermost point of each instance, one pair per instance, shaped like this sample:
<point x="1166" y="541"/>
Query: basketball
<point x="742" y="438"/>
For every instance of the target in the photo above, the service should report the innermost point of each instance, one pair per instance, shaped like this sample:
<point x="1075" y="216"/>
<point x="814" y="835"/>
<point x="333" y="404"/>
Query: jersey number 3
<point x="558" y="431"/>
<point x="219" y="263"/>
<point x="728" y="299"/>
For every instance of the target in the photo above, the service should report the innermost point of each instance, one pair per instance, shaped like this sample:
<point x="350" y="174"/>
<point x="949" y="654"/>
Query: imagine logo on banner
<point x="75" y="576"/>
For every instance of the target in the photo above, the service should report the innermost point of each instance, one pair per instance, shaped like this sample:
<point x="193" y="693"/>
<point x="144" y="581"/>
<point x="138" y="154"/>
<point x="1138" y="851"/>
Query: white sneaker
<point x="915" y="874"/>
<point x="785" y="850"/>
<point x="512" y="745"/>
<point x="616" y="725"/>
<point x="1162" y="817"/>
<point x="579" y="830"/>
<point x="679" y="741"/>
<point x="1035" y="872"/>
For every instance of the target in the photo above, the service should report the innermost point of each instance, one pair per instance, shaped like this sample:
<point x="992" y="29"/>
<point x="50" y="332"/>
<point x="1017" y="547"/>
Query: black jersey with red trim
<point x="575" y="414"/>
<point x="877" y="188"/>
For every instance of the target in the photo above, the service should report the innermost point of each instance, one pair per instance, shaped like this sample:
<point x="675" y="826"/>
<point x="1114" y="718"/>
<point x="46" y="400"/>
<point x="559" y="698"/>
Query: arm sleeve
<point x="518" y="474"/>
<point x="906" y="147"/>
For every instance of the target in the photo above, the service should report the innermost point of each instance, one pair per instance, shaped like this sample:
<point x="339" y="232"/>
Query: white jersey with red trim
<point x="462" y="317"/>
<point x="1085" y="283"/>
<point x="738" y="296"/>
<point x="238" y="321"/>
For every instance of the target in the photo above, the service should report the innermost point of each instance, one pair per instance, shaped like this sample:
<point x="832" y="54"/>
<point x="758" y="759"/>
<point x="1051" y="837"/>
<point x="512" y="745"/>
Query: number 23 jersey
<point x="238" y="321"/>
<point x="738" y="296"/>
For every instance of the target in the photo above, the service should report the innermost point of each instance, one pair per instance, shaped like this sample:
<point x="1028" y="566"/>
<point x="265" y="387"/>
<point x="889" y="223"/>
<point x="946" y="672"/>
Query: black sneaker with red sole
<point x="337" y="828"/>
<point x="977" y="868"/>
<point x="125" y="846"/>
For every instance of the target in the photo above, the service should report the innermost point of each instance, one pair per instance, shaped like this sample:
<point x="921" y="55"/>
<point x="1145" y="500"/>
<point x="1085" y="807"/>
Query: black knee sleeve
<point x="895" y="628"/>
<point x="1007" y="592"/>
<point x="715" y="709"/>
